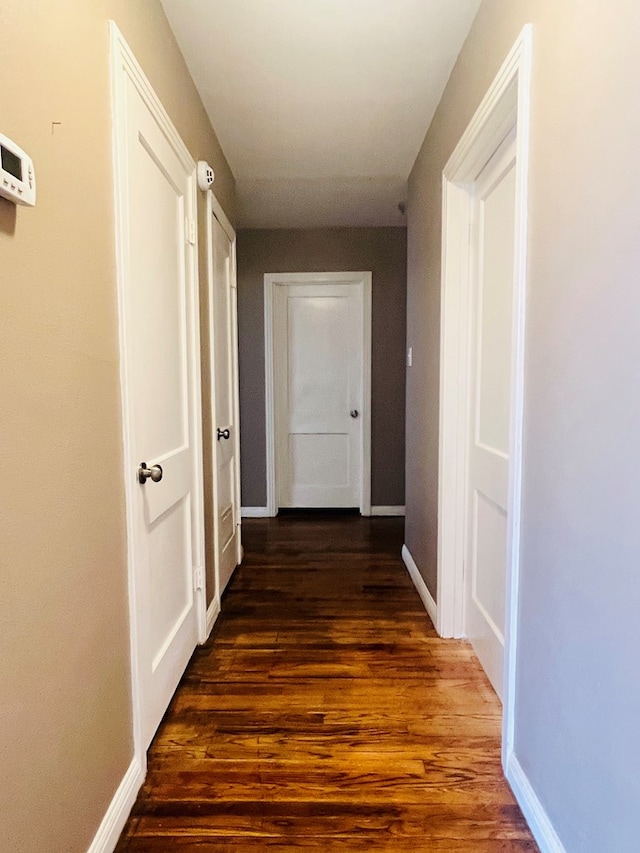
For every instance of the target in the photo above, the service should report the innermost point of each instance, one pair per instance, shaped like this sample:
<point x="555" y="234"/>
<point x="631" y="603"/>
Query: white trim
<point x="532" y="809"/>
<point x="119" y="56"/>
<point x="213" y="611"/>
<point x="387" y="510"/>
<point x="124" y="65"/>
<point x="524" y="50"/>
<point x="271" y="281"/>
<point x="196" y="414"/>
<point x="456" y="207"/>
<point x="506" y="105"/>
<point x="119" y="809"/>
<point x="365" y="423"/>
<point x="422" y="589"/>
<point x="212" y="407"/>
<point x="256" y="512"/>
<point x="236" y="382"/>
<point x="269" y="393"/>
<point x="214" y="206"/>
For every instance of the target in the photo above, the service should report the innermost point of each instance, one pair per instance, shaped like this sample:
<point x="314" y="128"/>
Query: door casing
<point x="505" y="107"/>
<point x="356" y="279"/>
<point x="124" y="66"/>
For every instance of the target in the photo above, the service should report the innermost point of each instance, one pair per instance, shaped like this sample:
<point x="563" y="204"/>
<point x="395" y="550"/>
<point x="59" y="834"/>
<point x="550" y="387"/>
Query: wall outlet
<point x="410" y="357"/>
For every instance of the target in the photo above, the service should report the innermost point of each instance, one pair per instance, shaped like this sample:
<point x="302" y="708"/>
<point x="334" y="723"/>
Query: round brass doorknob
<point x="354" y="413"/>
<point x="154" y="473"/>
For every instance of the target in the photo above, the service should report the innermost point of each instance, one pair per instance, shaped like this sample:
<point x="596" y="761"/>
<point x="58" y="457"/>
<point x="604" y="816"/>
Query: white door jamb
<point x="506" y="105"/>
<point x="271" y="281"/>
<point x="124" y="65"/>
<point x="214" y="208"/>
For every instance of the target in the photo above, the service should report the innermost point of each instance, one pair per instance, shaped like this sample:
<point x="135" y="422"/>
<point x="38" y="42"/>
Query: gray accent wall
<point x="577" y="731"/>
<point x="383" y="251"/>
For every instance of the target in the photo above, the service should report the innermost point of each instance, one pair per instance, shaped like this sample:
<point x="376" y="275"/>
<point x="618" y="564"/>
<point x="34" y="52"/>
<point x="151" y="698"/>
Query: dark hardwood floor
<point x="325" y="714"/>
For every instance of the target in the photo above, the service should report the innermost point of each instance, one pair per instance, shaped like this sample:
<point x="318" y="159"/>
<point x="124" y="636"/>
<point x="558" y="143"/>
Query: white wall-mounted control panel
<point x="17" y="175"/>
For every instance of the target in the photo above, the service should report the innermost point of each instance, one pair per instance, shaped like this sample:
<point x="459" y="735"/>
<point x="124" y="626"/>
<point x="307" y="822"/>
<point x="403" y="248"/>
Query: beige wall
<point x="384" y="252"/>
<point x="65" y="720"/>
<point x="578" y="704"/>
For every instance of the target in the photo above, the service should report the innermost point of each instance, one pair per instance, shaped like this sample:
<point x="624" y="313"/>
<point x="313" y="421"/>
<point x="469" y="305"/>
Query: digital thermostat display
<point x="17" y="175"/>
<point x="11" y="162"/>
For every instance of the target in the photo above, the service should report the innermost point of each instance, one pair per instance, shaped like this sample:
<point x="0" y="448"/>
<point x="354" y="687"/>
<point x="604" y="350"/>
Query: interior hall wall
<point x="65" y="692"/>
<point x="578" y="701"/>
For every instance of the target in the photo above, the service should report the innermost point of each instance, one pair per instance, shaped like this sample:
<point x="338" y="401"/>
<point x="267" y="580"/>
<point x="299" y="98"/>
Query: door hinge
<point x="190" y="231"/>
<point x="198" y="578"/>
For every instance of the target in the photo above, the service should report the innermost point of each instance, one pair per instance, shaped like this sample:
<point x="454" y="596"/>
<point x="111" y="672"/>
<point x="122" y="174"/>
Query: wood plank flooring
<point x="325" y="714"/>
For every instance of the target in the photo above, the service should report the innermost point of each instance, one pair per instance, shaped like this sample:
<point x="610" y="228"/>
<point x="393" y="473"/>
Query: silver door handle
<point x="154" y="473"/>
<point x="223" y="433"/>
<point x="354" y="413"/>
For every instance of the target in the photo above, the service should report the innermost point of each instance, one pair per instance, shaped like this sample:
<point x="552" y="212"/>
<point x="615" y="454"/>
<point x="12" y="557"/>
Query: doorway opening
<point x="473" y="525"/>
<point x="159" y="337"/>
<point x="318" y="390"/>
<point x="225" y="520"/>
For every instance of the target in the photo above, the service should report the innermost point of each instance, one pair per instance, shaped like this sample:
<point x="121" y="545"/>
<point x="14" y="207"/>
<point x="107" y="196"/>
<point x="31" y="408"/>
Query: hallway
<point x="325" y="714"/>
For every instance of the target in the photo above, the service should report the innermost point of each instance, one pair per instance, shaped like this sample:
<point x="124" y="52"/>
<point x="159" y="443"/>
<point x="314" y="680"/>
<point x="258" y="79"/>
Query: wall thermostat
<point x="17" y="175"/>
<point x="205" y="175"/>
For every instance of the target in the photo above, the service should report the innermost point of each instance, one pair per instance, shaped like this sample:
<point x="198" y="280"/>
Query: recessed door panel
<point x="489" y="547"/>
<point x="320" y="461"/>
<point x="171" y="579"/>
<point x="159" y="347"/>
<point x="319" y="349"/>
<point x="495" y="302"/>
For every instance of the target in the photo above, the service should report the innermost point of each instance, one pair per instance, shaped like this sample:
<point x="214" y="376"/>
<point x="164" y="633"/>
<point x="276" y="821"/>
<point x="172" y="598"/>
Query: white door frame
<point x="506" y="105"/>
<point x="124" y="66"/>
<point x="271" y="282"/>
<point x="214" y="208"/>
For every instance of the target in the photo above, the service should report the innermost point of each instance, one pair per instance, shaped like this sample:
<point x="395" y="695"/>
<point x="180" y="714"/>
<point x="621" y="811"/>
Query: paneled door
<point x="225" y="395"/>
<point x="319" y="393"/>
<point x="490" y="408"/>
<point x="161" y="391"/>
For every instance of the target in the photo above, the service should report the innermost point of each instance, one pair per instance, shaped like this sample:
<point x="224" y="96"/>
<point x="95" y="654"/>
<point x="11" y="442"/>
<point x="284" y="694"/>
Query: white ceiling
<point x="320" y="105"/>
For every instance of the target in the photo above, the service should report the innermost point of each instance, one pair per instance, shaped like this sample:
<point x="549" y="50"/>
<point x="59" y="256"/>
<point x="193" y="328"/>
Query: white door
<point x="490" y="407"/>
<point x="319" y="394"/>
<point x="159" y="345"/>
<point x="225" y="399"/>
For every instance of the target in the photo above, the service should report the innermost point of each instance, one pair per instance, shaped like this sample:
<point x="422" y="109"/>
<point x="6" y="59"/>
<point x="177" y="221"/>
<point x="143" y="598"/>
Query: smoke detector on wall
<point x="205" y="176"/>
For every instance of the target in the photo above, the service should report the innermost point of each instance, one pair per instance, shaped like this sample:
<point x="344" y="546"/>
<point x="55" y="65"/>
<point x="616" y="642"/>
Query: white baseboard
<point x="264" y="511"/>
<point x="213" y="611"/>
<point x="532" y="809"/>
<point x="114" y="820"/>
<point x="427" y="599"/>
<point x="387" y="510"/>
<point x="255" y="512"/>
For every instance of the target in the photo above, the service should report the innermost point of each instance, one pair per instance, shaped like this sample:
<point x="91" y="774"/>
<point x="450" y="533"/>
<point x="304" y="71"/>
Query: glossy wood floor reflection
<point x="325" y="714"/>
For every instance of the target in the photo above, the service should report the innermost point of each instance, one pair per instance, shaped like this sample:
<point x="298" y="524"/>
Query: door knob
<point x="154" y="473"/>
<point x="223" y="433"/>
<point x="354" y="413"/>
